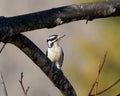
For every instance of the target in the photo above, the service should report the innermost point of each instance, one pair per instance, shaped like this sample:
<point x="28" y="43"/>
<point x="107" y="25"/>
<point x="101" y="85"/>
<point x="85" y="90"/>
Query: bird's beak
<point x="59" y="37"/>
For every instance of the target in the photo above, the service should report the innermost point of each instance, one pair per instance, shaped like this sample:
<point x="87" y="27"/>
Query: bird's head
<point x="52" y="39"/>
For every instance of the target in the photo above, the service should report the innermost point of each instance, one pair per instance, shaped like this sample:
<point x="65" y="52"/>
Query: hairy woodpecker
<point x="54" y="51"/>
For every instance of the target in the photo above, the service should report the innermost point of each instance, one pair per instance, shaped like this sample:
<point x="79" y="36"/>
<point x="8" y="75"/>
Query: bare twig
<point x="27" y="89"/>
<point x="101" y="64"/>
<point x="3" y="85"/>
<point x="96" y="82"/>
<point x="2" y="47"/>
<point x="107" y="88"/>
<point x="21" y="83"/>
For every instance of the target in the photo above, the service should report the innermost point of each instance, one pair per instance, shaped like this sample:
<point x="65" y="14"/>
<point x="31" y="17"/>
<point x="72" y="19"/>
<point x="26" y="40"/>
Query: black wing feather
<point x="46" y="52"/>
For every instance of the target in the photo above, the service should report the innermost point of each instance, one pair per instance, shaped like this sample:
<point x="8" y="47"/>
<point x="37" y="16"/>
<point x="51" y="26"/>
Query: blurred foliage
<point x="92" y="48"/>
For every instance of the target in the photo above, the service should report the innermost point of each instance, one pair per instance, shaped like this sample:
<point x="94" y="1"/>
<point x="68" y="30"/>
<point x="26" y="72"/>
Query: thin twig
<point x="107" y="88"/>
<point x="3" y="85"/>
<point x="96" y="82"/>
<point x="2" y="47"/>
<point x="101" y="64"/>
<point x="27" y="89"/>
<point x="21" y="83"/>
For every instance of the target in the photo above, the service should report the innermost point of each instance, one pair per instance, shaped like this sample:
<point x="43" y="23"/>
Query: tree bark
<point x="57" y="16"/>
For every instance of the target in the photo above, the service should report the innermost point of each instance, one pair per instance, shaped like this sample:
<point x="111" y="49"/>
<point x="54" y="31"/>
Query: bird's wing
<point x="62" y="59"/>
<point x="46" y="52"/>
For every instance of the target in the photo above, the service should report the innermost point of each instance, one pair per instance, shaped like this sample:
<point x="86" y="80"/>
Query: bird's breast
<point x="54" y="53"/>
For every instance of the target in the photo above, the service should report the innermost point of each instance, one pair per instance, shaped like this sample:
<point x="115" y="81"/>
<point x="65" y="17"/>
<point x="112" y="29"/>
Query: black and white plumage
<point x="55" y="51"/>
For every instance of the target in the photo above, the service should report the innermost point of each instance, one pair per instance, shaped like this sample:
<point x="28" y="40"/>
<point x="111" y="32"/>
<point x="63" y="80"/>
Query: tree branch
<point x="53" y="17"/>
<point x="41" y="60"/>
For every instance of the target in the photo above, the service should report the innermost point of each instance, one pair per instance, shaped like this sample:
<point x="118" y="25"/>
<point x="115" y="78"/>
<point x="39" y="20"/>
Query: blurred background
<point x="84" y="47"/>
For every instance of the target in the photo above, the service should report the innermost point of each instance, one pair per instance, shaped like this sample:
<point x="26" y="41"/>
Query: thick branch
<point x="41" y="60"/>
<point x="57" y="16"/>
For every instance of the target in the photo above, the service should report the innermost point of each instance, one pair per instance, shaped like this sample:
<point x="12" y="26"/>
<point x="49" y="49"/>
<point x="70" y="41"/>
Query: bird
<point x="54" y="51"/>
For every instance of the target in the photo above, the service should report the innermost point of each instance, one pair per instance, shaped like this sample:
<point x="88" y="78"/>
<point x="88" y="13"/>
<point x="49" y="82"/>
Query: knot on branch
<point x="59" y="21"/>
<point x="111" y="10"/>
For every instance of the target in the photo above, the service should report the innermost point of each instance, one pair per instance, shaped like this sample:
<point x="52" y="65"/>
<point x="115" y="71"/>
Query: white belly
<point x="54" y="54"/>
